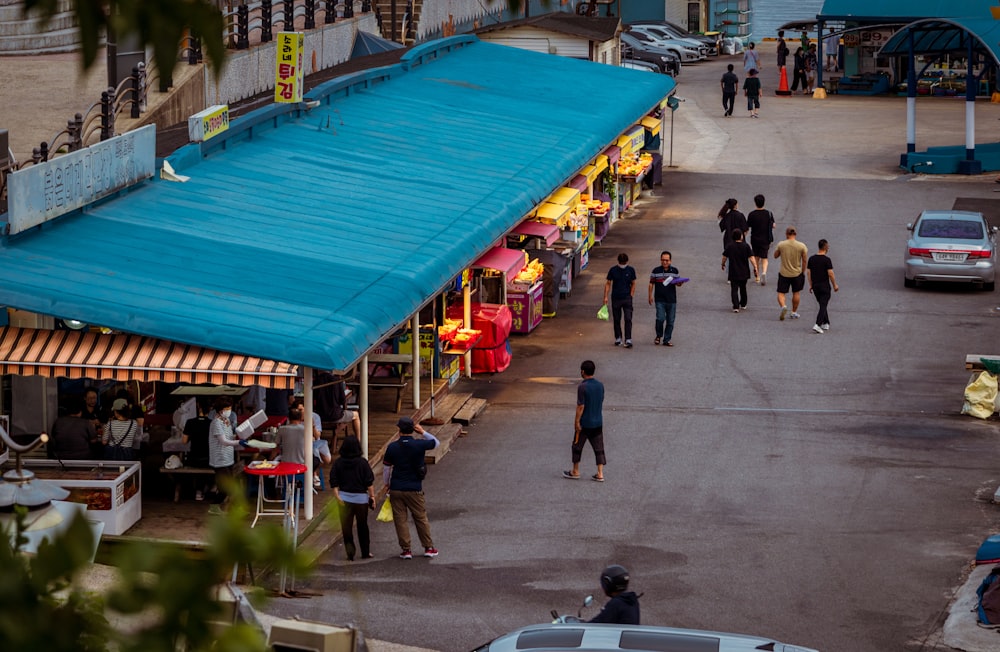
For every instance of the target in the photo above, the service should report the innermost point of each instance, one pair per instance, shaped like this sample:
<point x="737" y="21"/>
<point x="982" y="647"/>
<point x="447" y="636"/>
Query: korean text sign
<point x="288" y="73"/>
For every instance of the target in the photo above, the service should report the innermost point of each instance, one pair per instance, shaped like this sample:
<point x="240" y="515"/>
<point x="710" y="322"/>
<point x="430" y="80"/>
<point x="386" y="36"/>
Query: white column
<point x="363" y="404"/>
<point x="415" y="337"/>
<point x="467" y="316"/>
<point x="307" y="431"/>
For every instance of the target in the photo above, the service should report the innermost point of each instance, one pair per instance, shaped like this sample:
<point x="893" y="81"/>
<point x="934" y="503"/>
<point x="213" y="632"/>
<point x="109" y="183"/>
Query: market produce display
<point x="632" y="165"/>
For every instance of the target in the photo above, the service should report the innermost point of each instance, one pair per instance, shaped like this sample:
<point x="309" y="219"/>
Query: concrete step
<point x="446" y="434"/>
<point x="9" y="28"/>
<point x="63" y="40"/>
<point x="469" y="411"/>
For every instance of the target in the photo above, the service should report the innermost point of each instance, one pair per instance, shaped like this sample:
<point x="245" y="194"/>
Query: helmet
<point x="173" y="462"/>
<point x="614" y="579"/>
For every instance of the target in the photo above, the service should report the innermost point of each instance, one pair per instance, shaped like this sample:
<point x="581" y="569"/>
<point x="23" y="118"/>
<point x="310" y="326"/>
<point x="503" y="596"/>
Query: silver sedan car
<point x="953" y="246"/>
<point x="591" y="637"/>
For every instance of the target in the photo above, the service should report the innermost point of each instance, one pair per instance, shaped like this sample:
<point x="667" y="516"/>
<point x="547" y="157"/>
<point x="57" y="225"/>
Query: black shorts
<point x="794" y="284"/>
<point x="760" y="249"/>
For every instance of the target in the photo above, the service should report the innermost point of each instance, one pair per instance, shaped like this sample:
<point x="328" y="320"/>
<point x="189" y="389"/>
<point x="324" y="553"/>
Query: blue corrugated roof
<point x="905" y="10"/>
<point x="308" y="236"/>
<point x="937" y="36"/>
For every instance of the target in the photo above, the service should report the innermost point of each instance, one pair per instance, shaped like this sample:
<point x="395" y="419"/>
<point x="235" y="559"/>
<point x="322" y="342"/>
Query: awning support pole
<point x="363" y="404"/>
<point x="415" y="338"/>
<point x="467" y="316"/>
<point x="307" y="432"/>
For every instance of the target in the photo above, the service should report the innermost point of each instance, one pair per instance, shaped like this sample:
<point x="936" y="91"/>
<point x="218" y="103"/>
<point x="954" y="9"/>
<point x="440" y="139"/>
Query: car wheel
<point x="989" y="287"/>
<point x="909" y="282"/>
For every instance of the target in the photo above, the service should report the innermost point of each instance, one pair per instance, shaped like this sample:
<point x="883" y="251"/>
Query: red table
<point x="289" y="504"/>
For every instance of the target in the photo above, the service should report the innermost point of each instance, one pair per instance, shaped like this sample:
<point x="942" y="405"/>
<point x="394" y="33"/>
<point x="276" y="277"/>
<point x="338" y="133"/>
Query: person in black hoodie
<point x="353" y="485"/>
<point x="623" y="607"/>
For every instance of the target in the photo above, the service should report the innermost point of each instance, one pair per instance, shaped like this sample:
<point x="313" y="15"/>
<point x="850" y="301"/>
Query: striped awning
<point x="83" y="354"/>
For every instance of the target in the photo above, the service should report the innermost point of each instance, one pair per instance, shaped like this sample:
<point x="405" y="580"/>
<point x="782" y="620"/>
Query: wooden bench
<point x="973" y="362"/>
<point x="182" y="471"/>
<point x="398" y="365"/>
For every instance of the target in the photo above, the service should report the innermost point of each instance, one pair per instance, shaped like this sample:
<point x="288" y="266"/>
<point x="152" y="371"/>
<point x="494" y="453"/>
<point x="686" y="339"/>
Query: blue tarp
<point x="902" y="10"/>
<point x="307" y="234"/>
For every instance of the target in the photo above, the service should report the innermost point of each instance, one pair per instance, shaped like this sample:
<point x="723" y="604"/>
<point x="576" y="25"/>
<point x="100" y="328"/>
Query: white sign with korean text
<point x="42" y="192"/>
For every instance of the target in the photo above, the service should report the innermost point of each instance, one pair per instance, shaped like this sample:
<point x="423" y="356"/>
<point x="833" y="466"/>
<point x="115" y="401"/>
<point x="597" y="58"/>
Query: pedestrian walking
<point x="752" y="90"/>
<point x="821" y="280"/>
<point x="730" y="82"/>
<point x="791" y="276"/>
<point x="403" y="470"/>
<point x="354" y="488"/>
<point x="740" y="258"/>
<point x="730" y="218"/>
<point x="799" y="70"/>
<point x="620" y="288"/>
<point x="663" y="286"/>
<point x="832" y="46"/>
<point x="804" y="40"/>
<point x="811" y="65"/>
<point x="751" y="58"/>
<point x="761" y="223"/>
<point x="782" y="51"/>
<point x="589" y="423"/>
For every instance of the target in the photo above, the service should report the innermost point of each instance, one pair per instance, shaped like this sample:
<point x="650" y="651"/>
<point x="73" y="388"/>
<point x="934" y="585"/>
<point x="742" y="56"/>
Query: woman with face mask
<point x="222" y="444"/>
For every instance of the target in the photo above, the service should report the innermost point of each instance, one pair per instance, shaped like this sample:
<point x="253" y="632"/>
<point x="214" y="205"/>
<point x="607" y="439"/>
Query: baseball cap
<point x="405" y="423"/>
<point x="119" y="404"/>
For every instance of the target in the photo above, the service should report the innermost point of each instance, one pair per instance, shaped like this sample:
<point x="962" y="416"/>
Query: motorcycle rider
<point x="623" y="607"/>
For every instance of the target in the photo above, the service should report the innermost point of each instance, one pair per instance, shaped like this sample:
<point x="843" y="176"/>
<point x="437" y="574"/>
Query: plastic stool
<point x="984" y="87"/>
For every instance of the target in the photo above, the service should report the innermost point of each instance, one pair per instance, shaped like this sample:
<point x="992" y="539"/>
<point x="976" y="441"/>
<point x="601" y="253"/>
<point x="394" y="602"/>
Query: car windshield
<point x="957" y="229"/>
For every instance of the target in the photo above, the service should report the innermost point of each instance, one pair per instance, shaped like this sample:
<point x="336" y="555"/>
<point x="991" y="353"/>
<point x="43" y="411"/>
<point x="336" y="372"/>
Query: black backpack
<point x="988" y="602"/>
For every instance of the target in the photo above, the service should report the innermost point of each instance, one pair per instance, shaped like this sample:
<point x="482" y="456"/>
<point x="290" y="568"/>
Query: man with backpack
<point x="403" y="469"/>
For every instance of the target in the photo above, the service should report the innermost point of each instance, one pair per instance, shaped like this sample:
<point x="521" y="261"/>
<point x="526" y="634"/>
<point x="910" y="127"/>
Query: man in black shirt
<point x="821" y="279"/>
<point x="663" y="291"/>
<point x="620" y="287"/>
<point x="761" y="225"/>
<point x="730" y="83"/>
<point x="623" y="607"/>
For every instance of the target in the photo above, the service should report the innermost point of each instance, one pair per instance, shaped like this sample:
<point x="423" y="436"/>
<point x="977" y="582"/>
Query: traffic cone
<point x="783" y="84"/>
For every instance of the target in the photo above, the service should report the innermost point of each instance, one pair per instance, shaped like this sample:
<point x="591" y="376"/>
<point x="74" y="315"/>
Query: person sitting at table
<point x="321" y="447"/>
<point x="291" y="441"/>
<point x="196" y="436"/>
<point x="72" y="435"/>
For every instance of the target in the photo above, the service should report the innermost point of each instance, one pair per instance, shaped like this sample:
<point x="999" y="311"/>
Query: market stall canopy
<point x="944" y="35"/>
<point x="549" y="232"/>
<point x="807" y="25"/>
<point x="365" y="44"/>
<point x="310" y="232"/>
<point x="83" y="354"/>
<point x="900" y="10"/>
<point x="502" y="259"/>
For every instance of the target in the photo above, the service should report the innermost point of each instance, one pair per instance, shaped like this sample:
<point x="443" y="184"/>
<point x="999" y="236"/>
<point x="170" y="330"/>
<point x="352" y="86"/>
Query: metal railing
<point x="241" y="19"/>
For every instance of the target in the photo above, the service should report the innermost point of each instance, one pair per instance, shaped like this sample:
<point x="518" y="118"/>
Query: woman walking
<point x="729" y="219"/>
<point x="352" y="480"/>
<point x="751" y="58"/>
<point x="740" y="259"/>
<point x="799" y="70"/>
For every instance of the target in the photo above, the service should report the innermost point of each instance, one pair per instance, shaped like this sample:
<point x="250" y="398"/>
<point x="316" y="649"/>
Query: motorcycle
<point x="570" y="618"/>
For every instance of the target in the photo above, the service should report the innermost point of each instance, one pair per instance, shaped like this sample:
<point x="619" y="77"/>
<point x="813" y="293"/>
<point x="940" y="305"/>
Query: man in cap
<point x="403" y="469"/>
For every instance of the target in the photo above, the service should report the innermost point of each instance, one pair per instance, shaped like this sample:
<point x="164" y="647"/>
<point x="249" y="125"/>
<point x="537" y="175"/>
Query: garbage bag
<point x="981" y="396"/>
<point x="602" y="313"/>
<point x="385" y="514"/>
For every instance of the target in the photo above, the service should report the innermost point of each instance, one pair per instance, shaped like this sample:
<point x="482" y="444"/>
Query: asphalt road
<point x="820" y="489"/>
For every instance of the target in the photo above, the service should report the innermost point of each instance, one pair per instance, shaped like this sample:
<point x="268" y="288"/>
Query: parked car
<point x="686" y="50"/>
<point x="713" y="43"/>
<point x="954" y="246"/>
<point x="634" y="49"/>
<point x="635" y="64"/>
<point x="604" y="637"/>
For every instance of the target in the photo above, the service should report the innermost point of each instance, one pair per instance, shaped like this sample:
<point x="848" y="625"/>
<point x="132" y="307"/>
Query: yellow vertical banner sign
<point x="288" y="73"/>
